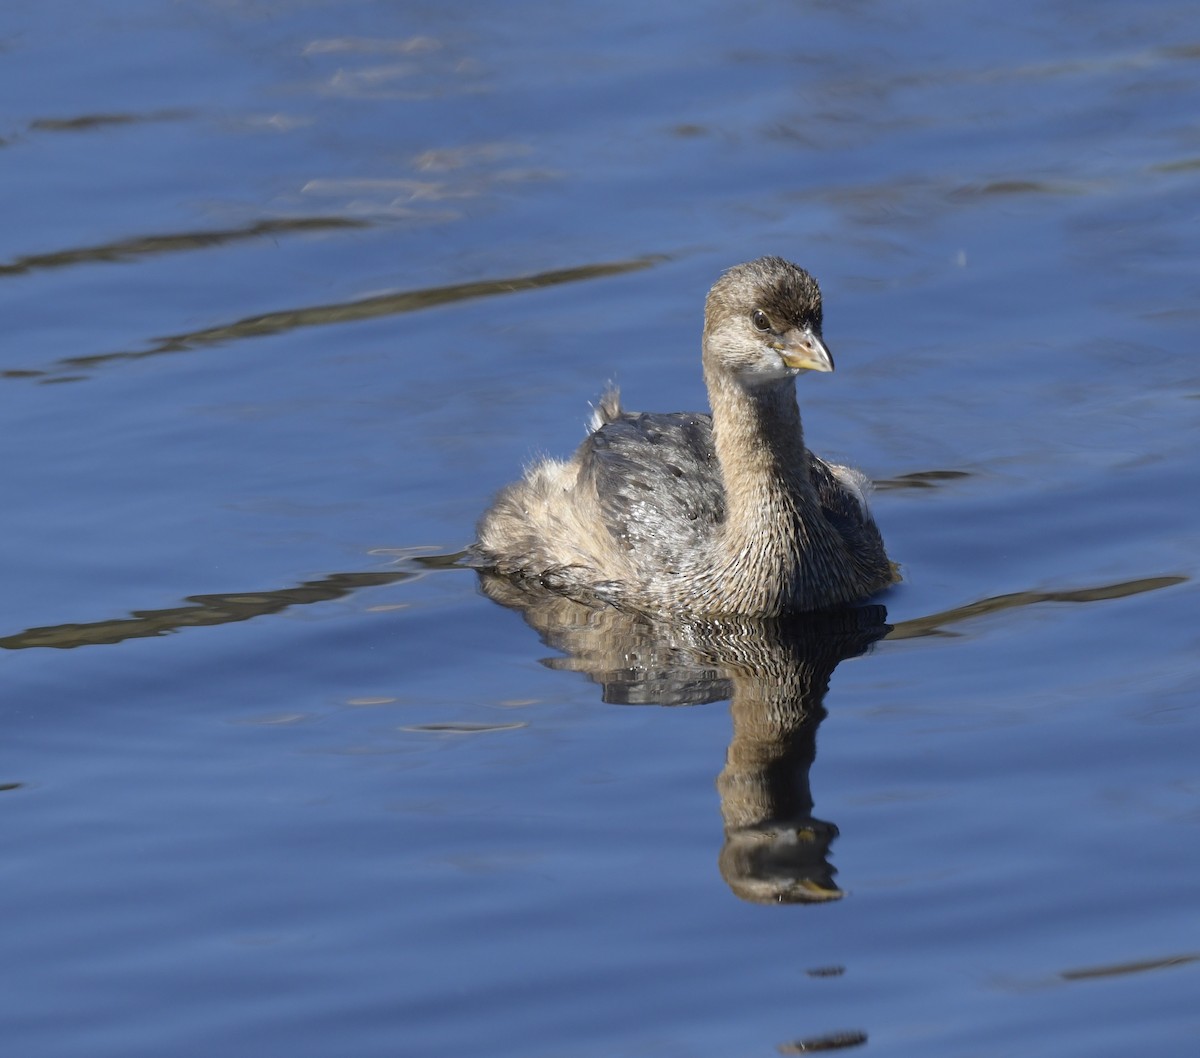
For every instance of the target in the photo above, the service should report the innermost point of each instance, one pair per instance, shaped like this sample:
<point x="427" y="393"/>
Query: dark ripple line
<point x="144" y="245"/>
<point x="1092" y="973"/>
<point x="932" y="625"/>
<point x="352" y="311"/>
<point x="833" y="1041"/>
<point x="921" y="479"/>
<point x="206" y="610"/>
<point x="89" y="122"/>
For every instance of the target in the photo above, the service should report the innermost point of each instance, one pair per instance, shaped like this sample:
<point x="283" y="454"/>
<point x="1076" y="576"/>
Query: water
<point x="292" y="288"/>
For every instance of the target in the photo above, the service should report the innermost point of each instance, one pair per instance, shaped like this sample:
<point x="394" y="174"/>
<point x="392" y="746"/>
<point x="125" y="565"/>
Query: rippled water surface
<point x="291" y="288"/>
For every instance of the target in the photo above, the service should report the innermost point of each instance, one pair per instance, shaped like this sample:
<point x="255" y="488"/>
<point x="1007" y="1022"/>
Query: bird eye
<point x="759" y="319"/>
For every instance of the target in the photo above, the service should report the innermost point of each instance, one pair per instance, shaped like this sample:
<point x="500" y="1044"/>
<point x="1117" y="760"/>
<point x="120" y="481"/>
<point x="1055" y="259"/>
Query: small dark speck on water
<point x="322" y="276"/>
<point x="826" y="971"/>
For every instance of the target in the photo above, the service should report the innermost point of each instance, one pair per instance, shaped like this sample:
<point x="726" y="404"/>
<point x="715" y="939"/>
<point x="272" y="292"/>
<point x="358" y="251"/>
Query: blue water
<point x="291" y="289"/>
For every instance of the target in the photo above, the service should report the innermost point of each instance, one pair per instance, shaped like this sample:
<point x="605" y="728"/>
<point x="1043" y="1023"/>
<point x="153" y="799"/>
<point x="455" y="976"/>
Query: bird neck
<point x="760" y="445"/>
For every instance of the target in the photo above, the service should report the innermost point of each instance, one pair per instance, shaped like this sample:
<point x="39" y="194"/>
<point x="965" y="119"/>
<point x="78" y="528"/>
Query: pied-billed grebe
<point x="691" y="514"/>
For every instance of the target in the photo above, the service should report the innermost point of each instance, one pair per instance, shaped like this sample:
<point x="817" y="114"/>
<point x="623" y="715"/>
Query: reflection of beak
<point x="803" y="349"/>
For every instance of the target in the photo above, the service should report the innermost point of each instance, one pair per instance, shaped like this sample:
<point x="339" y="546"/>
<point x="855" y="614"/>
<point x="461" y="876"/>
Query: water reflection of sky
<point x="291" y="288"/>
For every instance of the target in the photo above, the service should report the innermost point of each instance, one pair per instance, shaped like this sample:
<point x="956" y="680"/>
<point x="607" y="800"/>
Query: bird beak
<point x="804" y="350"/>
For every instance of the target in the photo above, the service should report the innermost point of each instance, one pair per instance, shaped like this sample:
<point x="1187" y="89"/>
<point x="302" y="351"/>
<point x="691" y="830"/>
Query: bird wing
<point x="657" y="482"/>
<point x="842" y="492"/>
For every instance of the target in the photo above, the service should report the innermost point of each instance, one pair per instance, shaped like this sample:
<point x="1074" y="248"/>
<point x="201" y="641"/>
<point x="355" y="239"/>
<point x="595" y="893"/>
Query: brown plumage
<point x="705" y="515"/>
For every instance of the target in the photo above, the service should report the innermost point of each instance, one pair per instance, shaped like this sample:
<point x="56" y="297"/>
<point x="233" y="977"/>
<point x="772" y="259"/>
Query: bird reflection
<point x="773" y="672"/>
